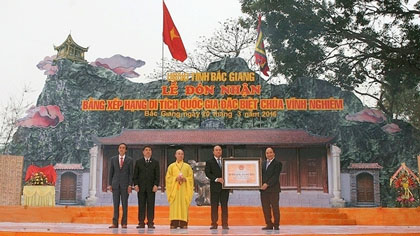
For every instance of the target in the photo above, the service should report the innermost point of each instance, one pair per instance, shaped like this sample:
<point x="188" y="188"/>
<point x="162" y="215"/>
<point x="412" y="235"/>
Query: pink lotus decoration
<point x="391" y="128"/>
<point x="121" y="65"/>
<point x="47" y="66"/>
<point x="367" y="115"/>
<point x="42" y="116"/>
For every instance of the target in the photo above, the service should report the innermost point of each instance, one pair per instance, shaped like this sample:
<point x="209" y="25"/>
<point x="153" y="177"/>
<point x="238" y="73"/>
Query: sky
<point x="131" y="28"/>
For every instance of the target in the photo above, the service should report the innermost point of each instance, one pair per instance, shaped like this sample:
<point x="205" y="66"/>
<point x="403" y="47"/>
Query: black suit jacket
<point x="213" y="171"/>
<point x="146" y="174"/>
<point x="271" y="176"/>
<point x="121" y="177"/>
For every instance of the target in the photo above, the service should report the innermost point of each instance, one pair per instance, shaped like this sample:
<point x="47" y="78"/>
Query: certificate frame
<point x="241" y="173"/>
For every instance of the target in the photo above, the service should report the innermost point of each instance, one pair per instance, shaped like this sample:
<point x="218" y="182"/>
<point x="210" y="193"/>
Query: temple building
<point x="71" y="50"/>
<point x="311" y="163"/>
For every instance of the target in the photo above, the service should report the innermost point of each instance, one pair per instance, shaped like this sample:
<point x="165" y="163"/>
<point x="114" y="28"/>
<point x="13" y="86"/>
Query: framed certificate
<point x="240" y="173"/>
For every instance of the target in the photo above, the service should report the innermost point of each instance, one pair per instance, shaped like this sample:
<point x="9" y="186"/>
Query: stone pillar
<point x="418" y="162"/>
<point x="91" y="200"/>
<point x="336" y="201"/>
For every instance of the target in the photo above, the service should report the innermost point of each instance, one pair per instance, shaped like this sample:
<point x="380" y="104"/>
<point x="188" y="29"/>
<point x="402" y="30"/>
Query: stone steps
<point x="237" y="216"/>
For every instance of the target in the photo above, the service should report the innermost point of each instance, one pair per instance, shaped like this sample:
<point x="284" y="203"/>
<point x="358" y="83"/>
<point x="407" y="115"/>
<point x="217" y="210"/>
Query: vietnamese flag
<point x="260" y="55"/>
<point x="171" y="37"/>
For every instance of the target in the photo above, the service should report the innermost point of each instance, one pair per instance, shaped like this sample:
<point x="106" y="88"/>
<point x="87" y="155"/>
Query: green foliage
<point x="351" y="43"/>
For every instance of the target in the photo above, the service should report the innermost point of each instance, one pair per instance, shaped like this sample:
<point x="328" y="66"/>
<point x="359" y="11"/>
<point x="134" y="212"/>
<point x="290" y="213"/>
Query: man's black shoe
<point x="151" y="226"/>
<point x="267" y="228"/>
<point x="225" y="227"/>
<point x="276" y="228"/>
<point x="140" y="226"/>
<point x="213" y="227"/>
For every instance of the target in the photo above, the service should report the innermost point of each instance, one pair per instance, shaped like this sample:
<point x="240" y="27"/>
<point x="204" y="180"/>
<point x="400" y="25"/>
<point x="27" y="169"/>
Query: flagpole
<point x="163" y="47"/>
<point x="261" y="56"/>
<point x="259" y="82"/>
<point x="259" y="74"/>
<point x="163" y="2"/>
<point x="171" y="37"/>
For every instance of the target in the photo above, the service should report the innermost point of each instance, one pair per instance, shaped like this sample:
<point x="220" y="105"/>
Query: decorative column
<point x="336" y="201"/>
<point x="91" y="200"/>
<point x="418" y="162"/>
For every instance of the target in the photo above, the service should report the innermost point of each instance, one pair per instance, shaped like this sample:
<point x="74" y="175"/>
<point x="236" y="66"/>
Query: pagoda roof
<point x="70" y="40"/>
<point x="274" y="137"/>
<point x="365" y="166"/>
<point x="63" y="166"/>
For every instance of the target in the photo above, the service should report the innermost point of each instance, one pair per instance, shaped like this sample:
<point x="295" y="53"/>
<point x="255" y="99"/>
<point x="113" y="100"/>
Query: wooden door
<point x="365" y="188"/>
<point x="68" y="187"/>
<point x="311" y="172"/>
<point x="289" y="172"/>
<point x="311" y="168"/>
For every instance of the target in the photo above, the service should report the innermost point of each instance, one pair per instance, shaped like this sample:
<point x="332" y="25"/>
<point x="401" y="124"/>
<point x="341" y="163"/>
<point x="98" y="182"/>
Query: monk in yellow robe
<point x="179" y="190"/>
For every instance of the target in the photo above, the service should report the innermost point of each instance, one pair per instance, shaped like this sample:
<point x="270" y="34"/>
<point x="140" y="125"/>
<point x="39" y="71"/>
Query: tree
<point x="10" y="113"/>
<point x="233" y="38"/>
<point x="353" y="44"/>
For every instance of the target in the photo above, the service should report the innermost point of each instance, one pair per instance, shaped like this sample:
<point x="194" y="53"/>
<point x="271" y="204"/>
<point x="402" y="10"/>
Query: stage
<point x="82" y="220"/>
<point x="48" y="229"/>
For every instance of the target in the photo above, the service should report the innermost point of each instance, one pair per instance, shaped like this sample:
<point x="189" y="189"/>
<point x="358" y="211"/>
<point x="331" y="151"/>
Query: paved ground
<point x="101" y="229"/>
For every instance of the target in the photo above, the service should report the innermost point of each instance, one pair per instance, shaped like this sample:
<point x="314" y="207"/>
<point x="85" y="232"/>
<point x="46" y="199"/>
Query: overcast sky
<point x="129" y="27"/>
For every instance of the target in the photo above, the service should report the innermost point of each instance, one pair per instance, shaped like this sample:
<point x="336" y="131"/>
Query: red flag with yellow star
<point x="171" y="37"/>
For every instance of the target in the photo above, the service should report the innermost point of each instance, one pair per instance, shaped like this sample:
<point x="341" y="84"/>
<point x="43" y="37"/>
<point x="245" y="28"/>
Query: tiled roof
<point x="279" y="137"/>
<point x="364" y="166"/>
<point x="62" y="166"/>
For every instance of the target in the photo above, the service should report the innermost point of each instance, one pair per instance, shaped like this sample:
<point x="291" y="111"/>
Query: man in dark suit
<point x="120" y="181"/>
<point x="146" y="181"/>
<point x="270" y="190"/>
<point x="217" y="194"/>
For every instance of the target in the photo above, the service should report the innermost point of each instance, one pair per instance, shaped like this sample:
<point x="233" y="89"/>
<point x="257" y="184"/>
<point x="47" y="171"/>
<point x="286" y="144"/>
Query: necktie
<point x="218" y="162"/>
<point x="268" y="163"/>
<point x="121" y="162"/>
